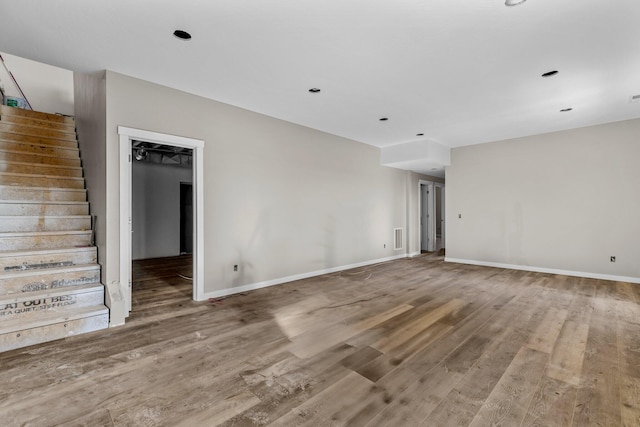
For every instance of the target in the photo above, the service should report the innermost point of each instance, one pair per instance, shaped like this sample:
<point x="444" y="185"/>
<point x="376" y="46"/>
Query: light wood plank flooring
<point x="415" y="342"/>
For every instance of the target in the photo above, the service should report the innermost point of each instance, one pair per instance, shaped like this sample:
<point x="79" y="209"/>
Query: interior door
<point x="427" y="218"/>
<point x="431" y="218"/>
<point x="424" y="218"/>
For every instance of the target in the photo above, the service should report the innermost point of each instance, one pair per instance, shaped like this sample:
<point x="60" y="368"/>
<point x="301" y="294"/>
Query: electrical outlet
<point x="613" y="259"/>
<point x="235" y="267"/>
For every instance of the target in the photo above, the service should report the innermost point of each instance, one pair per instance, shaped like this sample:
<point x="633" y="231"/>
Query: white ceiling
<point x="460" y="72"/>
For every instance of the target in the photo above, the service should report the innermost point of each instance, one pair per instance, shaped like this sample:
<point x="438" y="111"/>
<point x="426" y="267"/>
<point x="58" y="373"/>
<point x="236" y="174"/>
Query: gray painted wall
<point x="279" y="199"/>
<point x="565" y="200"/>
<point x="155" y="201"/>
<point x="91" y="107"/>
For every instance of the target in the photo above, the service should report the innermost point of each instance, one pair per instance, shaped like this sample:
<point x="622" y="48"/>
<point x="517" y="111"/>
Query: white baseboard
<point x="547" y="270"/>
<point x="279" y="281"/>
<point x="412" y="254"/>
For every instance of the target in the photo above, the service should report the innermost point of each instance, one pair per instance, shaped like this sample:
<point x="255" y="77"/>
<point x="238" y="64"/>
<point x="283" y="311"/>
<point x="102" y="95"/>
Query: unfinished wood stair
<point x="49" y="277"/>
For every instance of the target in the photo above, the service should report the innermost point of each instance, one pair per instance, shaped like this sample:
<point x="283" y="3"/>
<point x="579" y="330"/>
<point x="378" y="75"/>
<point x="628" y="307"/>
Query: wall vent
<point x="398" y="238"/>
<point x="634" y="98"/>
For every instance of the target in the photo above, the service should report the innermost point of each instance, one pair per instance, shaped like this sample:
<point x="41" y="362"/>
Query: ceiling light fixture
<point x="314" y="90"/>
<point x="141" y="154"/>
<point x="513" y="2"/>
<point x="550" y="73"/>
<point x="384" y="119"/>
<point x="564" y="110"/>
<point x="182" y="35"/>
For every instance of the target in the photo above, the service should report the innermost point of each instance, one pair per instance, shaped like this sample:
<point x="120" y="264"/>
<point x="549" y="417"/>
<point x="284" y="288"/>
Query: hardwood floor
<point x="414" y="342"/>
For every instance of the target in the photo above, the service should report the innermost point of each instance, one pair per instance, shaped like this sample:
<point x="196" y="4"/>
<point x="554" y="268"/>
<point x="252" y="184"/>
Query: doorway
<point x="431" y="216"/>
<point x="129" y="136"/>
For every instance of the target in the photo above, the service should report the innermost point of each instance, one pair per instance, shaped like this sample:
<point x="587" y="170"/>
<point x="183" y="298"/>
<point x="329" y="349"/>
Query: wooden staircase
<point x="49" y="277"/>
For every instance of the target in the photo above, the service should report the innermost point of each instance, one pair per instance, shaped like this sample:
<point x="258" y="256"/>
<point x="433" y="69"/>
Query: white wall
<point x="561" y="201"/>
<point x="155" y="203"/>
<point x="48" y="88"/>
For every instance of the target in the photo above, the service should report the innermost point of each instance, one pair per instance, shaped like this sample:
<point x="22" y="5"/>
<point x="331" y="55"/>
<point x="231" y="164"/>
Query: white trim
<point x="125" y="222"/>
<point x="279" y="281"/>
<point x="414" y="254"/>
<point x="547" y="270"/>
<point x="197" y="145"/>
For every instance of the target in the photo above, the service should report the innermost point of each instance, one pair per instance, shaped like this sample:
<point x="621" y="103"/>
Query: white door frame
<point x="127" y="135"/>
<point x="431" y="226"/>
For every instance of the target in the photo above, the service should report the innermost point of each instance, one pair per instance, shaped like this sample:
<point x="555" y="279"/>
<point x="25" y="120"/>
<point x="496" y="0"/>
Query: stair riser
<point x="29" y="310"/>
<point x="35" y="149"/>
<point x="11" y="111"/>
<point x="45" y="195"/>
<point x="24" y="243"/>
<point x="26" y="224"/>
<point x="39" y="181"/>
<point x="80" y="256"/>
<point x="7" y="156"/>
<point x="34" y="139"/>
<point x="31" y="209"/>
<point x="39" y="132"/>
<point x="44" y="124"/>
<point x="56" y="331"/>
<point x="22" y="285"/>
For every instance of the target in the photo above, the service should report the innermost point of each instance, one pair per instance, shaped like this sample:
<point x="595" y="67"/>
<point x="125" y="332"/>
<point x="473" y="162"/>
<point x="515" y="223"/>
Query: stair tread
<point x="22" y="129"/>
<point x="45" y="319"/>
<point x="44" y="233"/>
<point x="28" y="188"/>
<point x="45" y="165"/>
<point x="69" y="130"/>
<point x="3" y="217"/>
<point x="36" y="122"/>
<point x="19" y="253"/>
<point x="45" y="271"/>
<point x="38" y="175"/>
<point x="74" y="148"/>
<point x="44" y="202"/>
<point x="47" y="293"/>
<point x="12" y="111"/>
<point x="30" y="153"/>
<point x="45" y="251"/>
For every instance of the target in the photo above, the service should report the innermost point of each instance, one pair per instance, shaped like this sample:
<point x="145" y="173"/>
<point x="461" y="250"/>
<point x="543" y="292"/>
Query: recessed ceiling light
<point x="513" y="2"/>
<point x="564" y="110"/>
<point x="314" y="90"/>
<point x="550" y="73"/>
<point x="182" y="35"/>
<point x="384" y="119"/>
<point x="419" y="134"/>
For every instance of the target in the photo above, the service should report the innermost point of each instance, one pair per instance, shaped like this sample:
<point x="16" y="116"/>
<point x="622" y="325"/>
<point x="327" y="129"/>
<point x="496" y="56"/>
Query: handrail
<point x="15" y="82"/>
